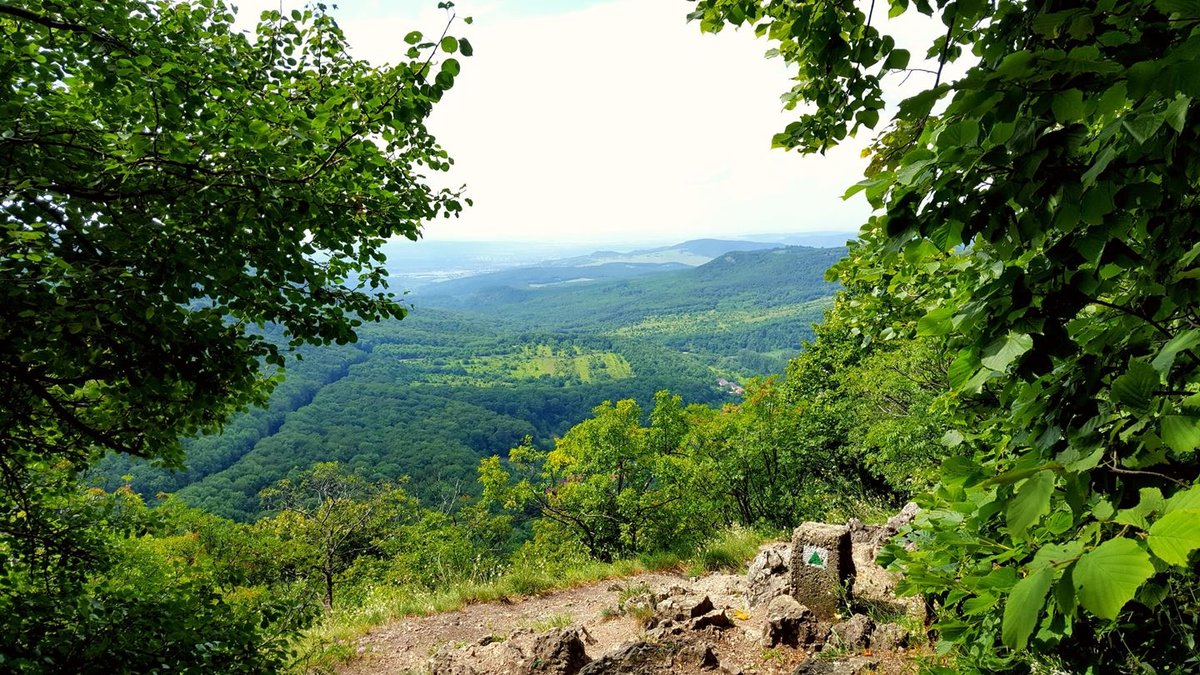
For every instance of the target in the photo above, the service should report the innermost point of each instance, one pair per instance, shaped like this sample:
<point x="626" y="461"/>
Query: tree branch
<point x="33" y="17"/>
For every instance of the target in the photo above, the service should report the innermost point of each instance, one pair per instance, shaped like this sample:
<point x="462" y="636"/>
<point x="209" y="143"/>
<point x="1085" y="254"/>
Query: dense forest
<point x="428" y="396"/>
<point x="195" y="301"/>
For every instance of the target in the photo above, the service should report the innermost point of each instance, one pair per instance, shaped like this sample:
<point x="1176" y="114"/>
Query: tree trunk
<point x="328" y="599"/>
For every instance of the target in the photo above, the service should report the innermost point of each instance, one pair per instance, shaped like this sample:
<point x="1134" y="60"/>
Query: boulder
<point x="871" y="582"/>
<point x="718" y="619"/>
<point x="559" y="652"/>
<point x="821" y="565"/>
<point x="888" y="637"/>
<point x="494" y="658"/>
<point x="666" y="629"/>
<point x="631" y="658"/>
<point x="854" y="633"/>
<point x="696" y="655"/>
<point x="769" y="575"/>
<point x="684" y="607"/>
<point x="790" y="623"/>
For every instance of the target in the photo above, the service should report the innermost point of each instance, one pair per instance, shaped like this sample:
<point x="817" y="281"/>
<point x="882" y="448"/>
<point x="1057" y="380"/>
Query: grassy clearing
<point x="332" y="640"/>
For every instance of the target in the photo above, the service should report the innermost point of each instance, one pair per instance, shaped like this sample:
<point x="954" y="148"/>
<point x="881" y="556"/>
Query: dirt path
<point x="406" y="645"/>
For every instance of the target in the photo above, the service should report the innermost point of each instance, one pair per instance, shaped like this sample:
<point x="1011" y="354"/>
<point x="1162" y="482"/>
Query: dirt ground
<point x="406" y="646"/>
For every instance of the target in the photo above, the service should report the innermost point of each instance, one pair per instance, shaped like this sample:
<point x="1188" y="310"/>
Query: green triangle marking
<point x="816" y="560"/>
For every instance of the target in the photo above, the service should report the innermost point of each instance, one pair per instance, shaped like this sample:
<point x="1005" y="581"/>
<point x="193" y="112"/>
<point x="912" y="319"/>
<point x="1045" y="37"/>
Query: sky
<point x="610" y="121"/>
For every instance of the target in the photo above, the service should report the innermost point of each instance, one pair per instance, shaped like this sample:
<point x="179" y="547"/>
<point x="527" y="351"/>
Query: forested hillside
<point x="429" y="396"/>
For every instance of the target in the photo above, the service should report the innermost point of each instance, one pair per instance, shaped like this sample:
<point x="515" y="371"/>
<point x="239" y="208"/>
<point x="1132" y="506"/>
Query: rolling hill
<point x="522" y="352"/>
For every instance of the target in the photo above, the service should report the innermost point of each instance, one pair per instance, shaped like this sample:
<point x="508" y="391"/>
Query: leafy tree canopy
<point x="1037" y="214"/>
<point x="171" y="184"/>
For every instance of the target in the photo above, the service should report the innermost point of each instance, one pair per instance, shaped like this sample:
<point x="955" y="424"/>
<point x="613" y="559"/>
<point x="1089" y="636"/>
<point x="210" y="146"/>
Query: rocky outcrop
<point x="650" y="658"/>
<point x="791" y="624"/>
<point x="633" y="658"/>
<point x="718" y="623"/>
<point x="557" y="652"/>
<point x="871" y="583"/>
<point x="853" y="634"/>
<point x="684" y="607"/>
<point x="889" y="637"/>
<point x="678" y="614"/>
<point x="769" y="576"/>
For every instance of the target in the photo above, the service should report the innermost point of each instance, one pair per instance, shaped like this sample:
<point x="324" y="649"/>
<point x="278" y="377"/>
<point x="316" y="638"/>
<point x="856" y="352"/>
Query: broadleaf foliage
<point x="1036" y="213"/>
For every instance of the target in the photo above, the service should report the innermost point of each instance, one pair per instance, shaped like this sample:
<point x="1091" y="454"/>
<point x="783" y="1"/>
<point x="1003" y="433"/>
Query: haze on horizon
<point x="610" y="122"/>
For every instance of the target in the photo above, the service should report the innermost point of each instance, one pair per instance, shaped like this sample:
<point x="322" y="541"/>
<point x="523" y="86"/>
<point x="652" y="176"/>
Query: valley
<point x="485" y="360"/>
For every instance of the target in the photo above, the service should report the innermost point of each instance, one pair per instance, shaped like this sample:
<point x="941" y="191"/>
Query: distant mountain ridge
<point x="692" y="253"/>
<point x="593" y="268"/>
<point x="527" y="278"/>
<point x="416" y="265"/>
<point x="736" y="280"/>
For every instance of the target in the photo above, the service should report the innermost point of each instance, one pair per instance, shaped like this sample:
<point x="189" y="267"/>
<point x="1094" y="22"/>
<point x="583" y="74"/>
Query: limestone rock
<point x="888" y="637"/>
<point x="496" y="658"/>
<point x="697" y="655"/>
<point x="717" y="618"/>
<point x="821" y="564"/>
<point x="631" y="658"/>
<point x="666" y="629"/>
<point x="790" y="623"/>
<point x="559" y="652"/>
<point x="769" y="575"/>
<point x="854" y="633"/>
<point x="684" y="607"/>
<point x="871" y="582"/>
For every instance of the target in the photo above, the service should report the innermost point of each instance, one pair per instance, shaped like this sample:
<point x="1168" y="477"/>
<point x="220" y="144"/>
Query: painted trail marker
<point x="815" y="556"/>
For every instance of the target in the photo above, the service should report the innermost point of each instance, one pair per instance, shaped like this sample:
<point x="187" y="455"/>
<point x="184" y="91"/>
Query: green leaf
<point x="1151" y="502"/>
<point x="1016" y="65"/>
<point x="1181" y="433"/>
<point x="1113" y="99"/>
<point x="1068" y="106"/>
<point x="936" y="322"/>
<point x="464" y="46"/>
<point x="449" y="44"/>
<point x="1023" y="607"/>
<point x="1174" y="536"/>
<point x="413" y="37"/>
<point x="1187" y="500"/>
<point x="1177" y="111"/>
<point x="1003" y="351"/>
<point x="1109" y="576"/>
<point x="1103" y="159"/>
<point x="897" y="60"/>
<point x="1152" y="594"/>
<point x="1181" y="342"/>
<point x="1187" y="8"/>
<point x="1031" y="502"/>
<point x="1135" y="388"/>
<point x="1143" y="126"/>
<point x="962" y="368"/>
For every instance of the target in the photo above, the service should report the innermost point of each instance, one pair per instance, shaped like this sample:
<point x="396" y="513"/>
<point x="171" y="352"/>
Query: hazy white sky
<point x="610" y="121"/>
